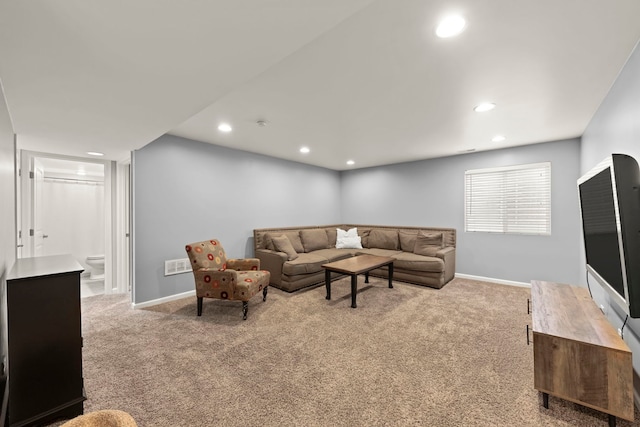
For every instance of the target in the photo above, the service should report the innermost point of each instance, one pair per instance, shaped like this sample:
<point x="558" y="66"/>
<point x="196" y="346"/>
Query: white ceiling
<point x="365" y="80"/>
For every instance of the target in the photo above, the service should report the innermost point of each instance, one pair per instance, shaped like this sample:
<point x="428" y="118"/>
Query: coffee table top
<point x="358" y="264"/>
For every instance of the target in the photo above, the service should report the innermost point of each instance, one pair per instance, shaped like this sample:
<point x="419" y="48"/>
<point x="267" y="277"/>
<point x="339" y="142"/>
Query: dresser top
<point x="43" y="266"/>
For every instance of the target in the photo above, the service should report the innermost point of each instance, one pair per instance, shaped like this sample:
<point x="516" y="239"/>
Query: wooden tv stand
<point x="577" y="354"/>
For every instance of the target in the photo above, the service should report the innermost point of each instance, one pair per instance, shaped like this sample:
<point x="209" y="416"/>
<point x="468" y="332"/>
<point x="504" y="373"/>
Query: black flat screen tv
<point x="610" y="209"/>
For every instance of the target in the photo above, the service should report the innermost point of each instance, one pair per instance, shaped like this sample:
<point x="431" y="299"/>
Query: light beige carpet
<point x="408" y="356"/>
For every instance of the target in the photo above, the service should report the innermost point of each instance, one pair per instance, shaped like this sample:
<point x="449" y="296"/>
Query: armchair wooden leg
<point x="245" y="308"/>
<point x="200" y="306"/>
<point x="264" y="293"/>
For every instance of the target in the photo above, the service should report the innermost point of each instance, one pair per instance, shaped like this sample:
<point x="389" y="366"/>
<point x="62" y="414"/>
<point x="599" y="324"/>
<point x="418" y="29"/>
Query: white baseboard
<point x="492" y="280"/>
<point x="164" y="299"/>
<point x="193" y="293"/>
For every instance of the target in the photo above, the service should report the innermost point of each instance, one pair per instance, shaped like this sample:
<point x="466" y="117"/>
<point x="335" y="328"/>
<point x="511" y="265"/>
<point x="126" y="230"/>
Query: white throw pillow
<point x="352" y="232"/>
<point x="349" y="243"/>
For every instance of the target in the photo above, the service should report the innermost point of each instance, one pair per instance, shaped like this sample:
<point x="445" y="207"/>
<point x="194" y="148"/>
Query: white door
<point x="37" y="214"/>
<point x="18" y="189"/>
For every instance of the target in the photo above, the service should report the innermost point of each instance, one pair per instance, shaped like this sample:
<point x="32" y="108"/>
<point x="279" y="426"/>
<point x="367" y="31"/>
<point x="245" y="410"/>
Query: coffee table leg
<point x="327" y="283"/>
<point x="354" y="289"/>
<point x="366" y="277"/>
<point x="391" y="275"/>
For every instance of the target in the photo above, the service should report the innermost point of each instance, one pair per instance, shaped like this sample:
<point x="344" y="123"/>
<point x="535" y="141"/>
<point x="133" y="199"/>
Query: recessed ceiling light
<point x="498" y="138"/>
<point x="95" y="153"/>
<point x="304" y="150"/>
<point x="81" y="172"/>
<point x="224" y="127"/>
<point x="485" y="106"/>
<point x="351" y="162"/>
<point x="450" y="26"/>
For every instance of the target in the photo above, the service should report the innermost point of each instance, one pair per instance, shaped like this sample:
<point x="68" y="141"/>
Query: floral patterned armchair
<point x="220" y="277"/>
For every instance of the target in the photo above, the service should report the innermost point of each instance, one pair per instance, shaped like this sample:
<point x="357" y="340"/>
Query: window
<point x="514" y="199"/>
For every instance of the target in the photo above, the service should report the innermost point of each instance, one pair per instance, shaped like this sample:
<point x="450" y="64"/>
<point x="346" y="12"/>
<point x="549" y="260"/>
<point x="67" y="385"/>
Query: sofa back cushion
<point x="363" y="232"/>
<point x="314" y="239"/>
<point x="383" y="239"/>
<point x="428" y="243"/>
<point x="332" y="235"/>
<point x="407" y="240"/>
<point x="293" y="236"/>
<point x="262" y="241"/>
<point x="282" y="244"/>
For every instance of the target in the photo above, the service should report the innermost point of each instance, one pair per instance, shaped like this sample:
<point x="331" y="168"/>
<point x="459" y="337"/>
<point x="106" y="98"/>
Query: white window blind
<point x="514" y="199"/>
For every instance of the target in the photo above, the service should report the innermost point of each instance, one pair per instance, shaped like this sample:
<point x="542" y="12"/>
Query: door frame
<point x="112" y="279"/>
<point x="123" y="227"/>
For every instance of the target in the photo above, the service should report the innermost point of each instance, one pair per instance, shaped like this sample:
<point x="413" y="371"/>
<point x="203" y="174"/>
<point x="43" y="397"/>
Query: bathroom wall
<point x="74" y="217"/>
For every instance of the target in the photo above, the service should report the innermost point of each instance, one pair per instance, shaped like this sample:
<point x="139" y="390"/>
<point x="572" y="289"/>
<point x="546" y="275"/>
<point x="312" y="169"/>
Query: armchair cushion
<point x="243" y="264"/>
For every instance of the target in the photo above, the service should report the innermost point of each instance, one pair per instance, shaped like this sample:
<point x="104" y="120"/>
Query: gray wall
<point x="186" y="191"/>
<point x="431" y="193"/>
<point x="615" y="128"/>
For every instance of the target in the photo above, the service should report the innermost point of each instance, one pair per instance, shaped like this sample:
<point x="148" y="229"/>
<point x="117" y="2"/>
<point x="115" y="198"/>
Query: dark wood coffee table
<point x="354" y="266"/>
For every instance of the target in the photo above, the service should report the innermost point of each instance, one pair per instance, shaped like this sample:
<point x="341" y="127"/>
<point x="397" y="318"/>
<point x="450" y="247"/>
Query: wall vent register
<point x="177" y="266"/>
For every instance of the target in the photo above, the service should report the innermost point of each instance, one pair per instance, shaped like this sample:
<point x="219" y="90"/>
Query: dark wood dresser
<point x="41" y="317"/>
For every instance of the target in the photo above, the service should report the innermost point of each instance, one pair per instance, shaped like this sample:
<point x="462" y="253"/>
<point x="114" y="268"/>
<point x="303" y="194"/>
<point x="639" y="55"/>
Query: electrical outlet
<point x="602" y="308"/>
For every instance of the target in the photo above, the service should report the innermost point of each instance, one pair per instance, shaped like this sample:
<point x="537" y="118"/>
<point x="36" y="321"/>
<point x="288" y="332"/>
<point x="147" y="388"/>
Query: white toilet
<point x="96" y="262"/>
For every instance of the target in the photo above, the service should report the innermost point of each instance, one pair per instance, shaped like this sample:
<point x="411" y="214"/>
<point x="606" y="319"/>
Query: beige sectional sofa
<point x="423" y="255"/>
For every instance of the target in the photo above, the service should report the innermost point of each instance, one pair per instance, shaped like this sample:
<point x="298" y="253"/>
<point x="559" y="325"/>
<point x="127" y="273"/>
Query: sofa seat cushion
<point x="415" y="262"/>
<point x="378" y="252"/>
<point x="334" y="254"/>
<point x="304" y="264"/>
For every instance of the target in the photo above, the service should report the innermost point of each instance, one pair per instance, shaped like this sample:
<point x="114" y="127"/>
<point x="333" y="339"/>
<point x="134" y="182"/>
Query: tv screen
<point x="610" y="209"/>
<point x="600" y="229"/>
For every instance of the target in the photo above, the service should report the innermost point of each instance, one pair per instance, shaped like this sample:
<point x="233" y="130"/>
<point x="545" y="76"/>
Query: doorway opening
<point x="68" y="206"/>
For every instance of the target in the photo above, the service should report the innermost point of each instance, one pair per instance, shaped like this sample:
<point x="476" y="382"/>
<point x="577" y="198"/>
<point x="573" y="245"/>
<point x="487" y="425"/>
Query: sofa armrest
<point x="243" y="264"/>
<point x="272" y="261"/>
<point x="448" y="255"/>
